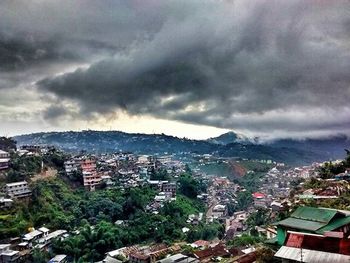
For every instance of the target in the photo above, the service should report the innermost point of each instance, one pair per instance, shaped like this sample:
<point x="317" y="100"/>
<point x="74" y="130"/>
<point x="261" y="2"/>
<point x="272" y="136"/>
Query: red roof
<point x="258" y="195"/>
<point x="295" y="240"/>
<point x="326" y="244"/>
<point x="217" y="251"/>
<point x="201" y="243"/>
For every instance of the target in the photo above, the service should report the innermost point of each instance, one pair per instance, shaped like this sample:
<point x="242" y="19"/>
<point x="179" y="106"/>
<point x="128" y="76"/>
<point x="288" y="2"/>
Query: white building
<point x="18" y="189"/>
<point x="4" y="160"/>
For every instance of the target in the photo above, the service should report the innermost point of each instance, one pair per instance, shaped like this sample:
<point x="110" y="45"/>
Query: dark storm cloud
<point x="232" y="64"/>
<point x="19" y="53"/>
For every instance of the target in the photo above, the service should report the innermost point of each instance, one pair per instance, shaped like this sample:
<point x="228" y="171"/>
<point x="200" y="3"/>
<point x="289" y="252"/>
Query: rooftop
<point x="310" y="256"/>
<point x="318" y="220"/>
<point x="16" y="183"/>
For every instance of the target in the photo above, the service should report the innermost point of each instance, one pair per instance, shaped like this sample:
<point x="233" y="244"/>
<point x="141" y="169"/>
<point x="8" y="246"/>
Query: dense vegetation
<point x="56" y="205"/>
<point x="23" y="167"/>
<point x="7" y="144"/>
<point x="329" y="169"/>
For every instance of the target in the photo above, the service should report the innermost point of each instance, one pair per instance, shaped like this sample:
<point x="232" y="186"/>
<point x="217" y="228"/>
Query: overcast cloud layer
<point x="268" y="68"/>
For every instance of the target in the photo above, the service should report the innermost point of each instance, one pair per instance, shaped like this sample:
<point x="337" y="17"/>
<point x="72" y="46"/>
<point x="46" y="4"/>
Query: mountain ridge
<point x="289" y="151"/>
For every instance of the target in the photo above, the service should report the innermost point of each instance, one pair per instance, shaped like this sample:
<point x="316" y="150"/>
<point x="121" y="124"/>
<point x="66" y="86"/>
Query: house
<point x="46" y="239"/>
<point x="219" y="211"/>
<point x="71" y="166"/>
<point x="59" y="259"/>
<point x="164" y="159"/>
<point x="169" y="188"/>
<point x="109" y="259"/>
<point x="259" y="199"/>
<point x="178" y="258"/>
<point x="4" y="160"/>
<point x="292" y="254"/>
<point x="18" y="189"/>
<point x="313" y="220"/>
<point x="31" y="148"/>
<point x="5" y="203"/>
<point x="91" y="179"/>
<point x="88" y="165"/>
<point x="139" y="258"/>
<point x="200" y="244"/>
<point x="210" y="253"/>
<point x="8" y="255"/>
<point x="33" y="236"/>
<point x="314" y="229"/>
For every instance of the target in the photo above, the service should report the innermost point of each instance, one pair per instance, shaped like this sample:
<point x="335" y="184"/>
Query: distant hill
<point x="289" y="151"/>
<point x="330" y="148"/>
<point x="229" y="137"/>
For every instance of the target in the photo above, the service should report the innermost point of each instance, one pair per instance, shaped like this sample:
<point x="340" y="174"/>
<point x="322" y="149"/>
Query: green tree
<point x="244" y="200"/>
<point x="189" y="186"/>
<point x="258" y="218"/>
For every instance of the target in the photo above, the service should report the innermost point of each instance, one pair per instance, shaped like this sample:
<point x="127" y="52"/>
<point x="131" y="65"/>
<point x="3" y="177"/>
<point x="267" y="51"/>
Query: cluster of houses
<point x="122" y="169"/>
<point x="201" y="251"/>
<point x="19" y="249"/>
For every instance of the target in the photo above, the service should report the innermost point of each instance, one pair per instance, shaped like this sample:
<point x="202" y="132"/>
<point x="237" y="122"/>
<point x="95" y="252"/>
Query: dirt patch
<point x="47" y="174"/>
<point x="237" y="169"/>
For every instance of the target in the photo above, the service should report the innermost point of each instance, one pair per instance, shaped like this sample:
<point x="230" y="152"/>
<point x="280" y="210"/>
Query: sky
<point x="190" y="68"/>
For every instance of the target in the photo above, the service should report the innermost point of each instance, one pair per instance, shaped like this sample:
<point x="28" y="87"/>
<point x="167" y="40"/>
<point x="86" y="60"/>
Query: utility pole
<point x="301" y="254"/>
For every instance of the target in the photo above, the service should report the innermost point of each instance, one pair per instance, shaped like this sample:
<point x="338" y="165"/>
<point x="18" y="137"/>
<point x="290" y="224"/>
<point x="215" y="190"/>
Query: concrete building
<point x="88" y="165"/>
<point x="91" y="180"/>
<point x="7" y="255"/>
<point x="71" y="166"/>
<point x="18" y="189"/>
<point x="59" y="259"/>
<point x="169" y="188"/>
<point x="4" y="160"/>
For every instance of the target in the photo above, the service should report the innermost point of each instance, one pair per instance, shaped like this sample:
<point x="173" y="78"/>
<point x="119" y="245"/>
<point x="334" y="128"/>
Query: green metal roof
<point x="321" y="215"/>
<point x="336" y="223"/>
<point x="301" y="224"/>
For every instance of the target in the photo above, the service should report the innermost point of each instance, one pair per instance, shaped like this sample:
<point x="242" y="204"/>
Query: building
<point x="48" y="237"/>
<point x="178" y="258"/>
<point x="139" y="258"/>
<point x="18" y="189"/>
<point x="7" y="255"/>
<point x="219" y="211"/>
<point x="164" y="159"/>
<point x="91" y="180"/>
<point x="169" y="188"/>
<point x="211" y="253"/>
<point x="88" y="165"/>
<point x="314" y="230"/>
<point x="31" y="148"/>
<point x="33" y="236"/>
<point x="71" y="166"/>
<point x="292" y="254"/>
<point x="4" y="160"/>
<point x="5" y="203"/>
<point x="259" y="200"/>
<point x="59" y="259"/>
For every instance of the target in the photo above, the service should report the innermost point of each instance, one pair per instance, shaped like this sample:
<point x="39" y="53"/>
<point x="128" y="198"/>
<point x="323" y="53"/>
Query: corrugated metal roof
<point x="301" y="224"/>
<point x="310" y="256"/>
<point x="336" y="223"/>
<point x="314" y="214"/>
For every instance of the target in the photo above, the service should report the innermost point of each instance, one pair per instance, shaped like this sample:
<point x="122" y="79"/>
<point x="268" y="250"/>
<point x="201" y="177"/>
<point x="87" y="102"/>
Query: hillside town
<point x="283" y="215"/>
